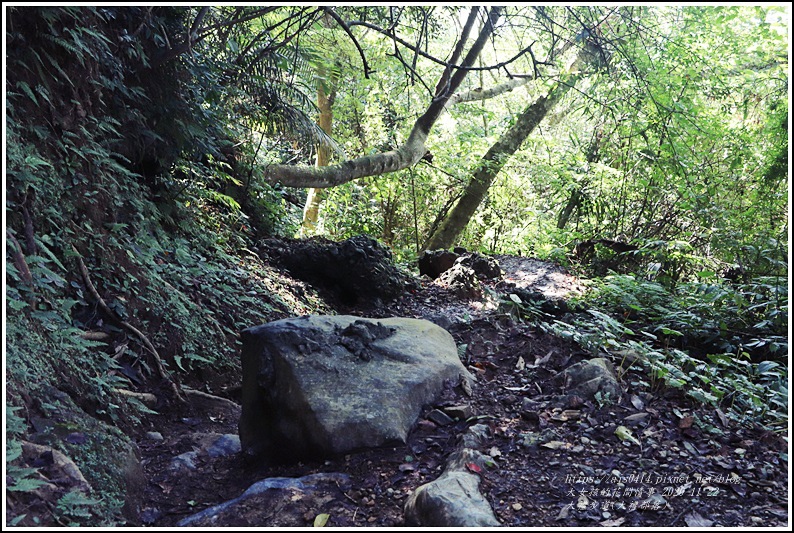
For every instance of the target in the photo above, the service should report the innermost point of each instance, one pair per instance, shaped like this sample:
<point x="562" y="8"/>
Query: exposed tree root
<point x="159" y="368"/>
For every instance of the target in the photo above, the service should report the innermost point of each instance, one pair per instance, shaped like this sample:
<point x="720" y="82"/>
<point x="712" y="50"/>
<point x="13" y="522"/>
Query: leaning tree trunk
<point x="492" y="162"/>
<point x="406" y="155"/>
<point x="311" y="211"/>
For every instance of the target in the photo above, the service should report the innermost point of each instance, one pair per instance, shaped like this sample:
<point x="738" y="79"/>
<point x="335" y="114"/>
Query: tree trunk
<point x="577" y="193"/>
<point x="311" y="212"/>
<point x="406" y="155"/>
<point x="492" y="162"/>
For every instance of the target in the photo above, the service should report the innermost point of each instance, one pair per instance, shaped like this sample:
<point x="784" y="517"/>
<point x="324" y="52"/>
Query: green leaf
<point x="13" y="450"/>
<point x="321" y="519"/>
<point x="16" y="305"/>
<point x="25" y="485"/>
<point x="27" y="90"/>
<point x="623" y="433"/>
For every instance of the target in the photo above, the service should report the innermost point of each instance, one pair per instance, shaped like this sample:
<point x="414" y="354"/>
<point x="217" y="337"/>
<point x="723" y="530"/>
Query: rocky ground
<point x="648" y="458"/>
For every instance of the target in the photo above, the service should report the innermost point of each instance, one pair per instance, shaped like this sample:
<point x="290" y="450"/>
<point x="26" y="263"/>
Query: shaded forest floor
<point x="557" y="466"/>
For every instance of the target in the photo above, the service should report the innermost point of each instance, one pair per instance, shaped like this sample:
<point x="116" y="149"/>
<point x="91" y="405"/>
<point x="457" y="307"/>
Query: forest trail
<point x="553" y="465"/>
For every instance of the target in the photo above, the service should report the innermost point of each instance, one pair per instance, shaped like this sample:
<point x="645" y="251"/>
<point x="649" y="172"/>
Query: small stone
<point x="517" y="506"/>
<point x="185" y="461"/>
<point x="425" y="425"/>
<point x="372" y="519"/>
<point x="225" y="445"/>
<point x="154" y="435"/>
<point x="439" y="417"/>
<point x="461" y="412"/>
<point x="150" y="514"/>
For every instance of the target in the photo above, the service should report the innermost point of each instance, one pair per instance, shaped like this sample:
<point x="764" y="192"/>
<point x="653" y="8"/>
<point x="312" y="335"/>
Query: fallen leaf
<point x="686" y="422"/>
<point x="635" y="419"/>
<point x="520" y="364"/>
<point x="494" y="452"/>
<point x="568" y="414"/>
<point x="517" y="506"/>
<point x="474" y="467"/>
<point x="542" y="360"/>
<point x="623" y="433"/>
<point x="321" y="519"/>
<point x="691" y="449"/>
<point x="612" y="523"/>
<point x="565" y="511"/>
<point x="557" y="445"/>
<point x="722" y="417"/>
<point x="638" y="404"/>
<point x="694" y="519"/>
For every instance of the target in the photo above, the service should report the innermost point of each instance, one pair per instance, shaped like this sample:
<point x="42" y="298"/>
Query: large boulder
<point x="323" y="385"/>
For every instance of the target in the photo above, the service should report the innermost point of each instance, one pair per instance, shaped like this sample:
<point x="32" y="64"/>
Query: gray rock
<point x="475" y="436"/>
<point x="224" y="445"/>
<point x="461" y="412"/>
<point x="277" y="501"/>
<point x="154" y="435"/>
<point x="184" y="461"/>
<point x="462" y="281"/>
<point x="452" y="500"/>
<point x="323" y="385"/>
<point x="587" y="378"/>
<point x="439" y="417"/>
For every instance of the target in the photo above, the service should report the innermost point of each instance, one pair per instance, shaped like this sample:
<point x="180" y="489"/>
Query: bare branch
<point x="434" y="59"/>
<point x="443" y="85"/>
<point x="345" y="27"/>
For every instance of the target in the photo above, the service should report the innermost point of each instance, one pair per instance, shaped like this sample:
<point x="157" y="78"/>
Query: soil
<point x="554" y="464"/>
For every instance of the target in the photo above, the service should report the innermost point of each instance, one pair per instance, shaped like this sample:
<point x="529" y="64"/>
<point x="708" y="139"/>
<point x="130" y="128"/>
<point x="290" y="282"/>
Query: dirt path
<point x="554" y="465"/>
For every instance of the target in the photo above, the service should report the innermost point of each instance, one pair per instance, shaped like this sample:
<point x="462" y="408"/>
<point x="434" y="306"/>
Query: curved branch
<point x="331" y="13"/>
<point x="382" y="163"/>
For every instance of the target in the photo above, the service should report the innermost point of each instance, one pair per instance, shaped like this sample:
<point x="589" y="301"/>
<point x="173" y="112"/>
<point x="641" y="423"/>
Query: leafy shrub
<point x="698" y="339"/>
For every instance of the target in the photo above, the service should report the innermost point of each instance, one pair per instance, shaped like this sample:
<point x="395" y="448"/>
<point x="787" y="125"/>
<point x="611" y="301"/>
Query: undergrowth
<point x="112" y="167"/>
<point x="724" y="345"/>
